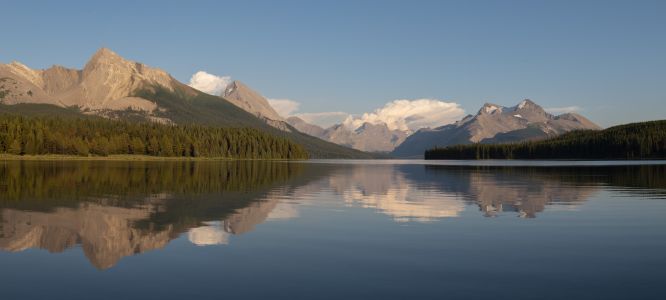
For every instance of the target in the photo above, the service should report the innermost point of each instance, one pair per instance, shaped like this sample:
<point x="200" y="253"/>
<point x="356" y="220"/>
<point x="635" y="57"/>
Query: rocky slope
<point x="113" y="87"/>
<point x="493" y="124"/>
<point x="251" y="101"/>
<point x="368" y="137"/>
<point x="244" y="97"/>
<point x="305" y="127"/>
<point x="106" y="83"/>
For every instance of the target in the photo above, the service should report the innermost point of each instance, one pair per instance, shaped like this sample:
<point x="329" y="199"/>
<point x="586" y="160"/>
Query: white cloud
<point x="562" y="110"/>
<point x="410" y="114"/>
<point x="209" y="83"/>
<point x="407" y="115"/>
<point x="210" y="234"/>
<point x="284" y="107"/>
<point x="324" y="119"/>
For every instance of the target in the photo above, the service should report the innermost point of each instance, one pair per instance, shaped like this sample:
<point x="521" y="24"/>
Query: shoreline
<point x="118" y="157"/>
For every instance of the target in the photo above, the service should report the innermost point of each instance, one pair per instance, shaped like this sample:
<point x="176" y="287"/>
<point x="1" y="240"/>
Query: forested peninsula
<point x="645" y="140"/>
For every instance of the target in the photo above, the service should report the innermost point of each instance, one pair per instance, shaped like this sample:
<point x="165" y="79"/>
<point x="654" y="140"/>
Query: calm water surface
<point x="332" y="230"/>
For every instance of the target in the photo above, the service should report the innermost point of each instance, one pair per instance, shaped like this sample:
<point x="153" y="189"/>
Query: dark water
<point x="331" y="230"/>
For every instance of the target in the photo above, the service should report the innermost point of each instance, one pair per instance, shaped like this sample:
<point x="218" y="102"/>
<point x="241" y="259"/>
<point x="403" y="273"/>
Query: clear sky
<point x="606" y="57"/>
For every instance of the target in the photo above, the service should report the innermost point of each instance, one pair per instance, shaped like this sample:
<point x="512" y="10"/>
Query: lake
<point x="332" y="230"/>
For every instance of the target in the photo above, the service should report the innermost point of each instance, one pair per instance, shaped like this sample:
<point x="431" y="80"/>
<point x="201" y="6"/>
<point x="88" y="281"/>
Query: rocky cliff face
<point x="107" y="82"/>
<point x="492" y="124"/>
<point x="495" y="124"/>
<point x="305" y="127"/>
<point x="368" y="137"/>
<point x="251" y="101"/>
<point x="244" y="97"/>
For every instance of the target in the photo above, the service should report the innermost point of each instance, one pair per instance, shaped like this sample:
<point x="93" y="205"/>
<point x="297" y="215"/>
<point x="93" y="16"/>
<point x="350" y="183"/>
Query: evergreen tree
<point x="52" y="135"/>
<point x="15" y="147"/>
<point x="646" y="140"/>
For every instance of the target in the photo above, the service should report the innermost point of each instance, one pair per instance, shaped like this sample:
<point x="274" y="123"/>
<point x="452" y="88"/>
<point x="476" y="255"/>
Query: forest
<point x="94" y="136"/>
<point x="645" y="140"/>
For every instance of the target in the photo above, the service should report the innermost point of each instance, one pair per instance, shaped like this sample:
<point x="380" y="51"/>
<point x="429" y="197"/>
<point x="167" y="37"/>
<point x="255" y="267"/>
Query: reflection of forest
<point x="117" y="209"/>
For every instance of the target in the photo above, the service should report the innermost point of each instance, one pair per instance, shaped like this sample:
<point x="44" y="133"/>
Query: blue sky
<point x="606" y="57"/>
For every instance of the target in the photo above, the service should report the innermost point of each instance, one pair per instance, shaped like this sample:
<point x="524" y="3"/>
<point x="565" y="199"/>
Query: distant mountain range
<point x="113" y="87"/>
<point x="494" y="124"/>
<point x="367" y="137"/>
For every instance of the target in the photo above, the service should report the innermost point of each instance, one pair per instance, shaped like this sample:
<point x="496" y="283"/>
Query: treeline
<point x="101" y="137"/>
<point x="43" y="185"/>
<point x="646" y="140"/>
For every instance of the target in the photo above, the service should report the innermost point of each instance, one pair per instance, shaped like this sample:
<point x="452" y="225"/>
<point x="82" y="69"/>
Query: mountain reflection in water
<point x="118" y="209"/>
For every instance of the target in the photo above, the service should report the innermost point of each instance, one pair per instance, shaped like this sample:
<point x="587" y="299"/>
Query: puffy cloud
<point x="324" y="119"/>
<point x="407" y="115"/>
<point x="562" y="110"/>
<point x="284" y="107"/>
<point x="209" y="83"/>
<point x="210" y="234"/>
<point x="410" y="114"/>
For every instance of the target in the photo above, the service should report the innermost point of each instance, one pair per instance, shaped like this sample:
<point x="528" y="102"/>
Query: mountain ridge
<point x="492" y="124"/>
<point x="370" y="137"/>
<point x="113" y="87"/>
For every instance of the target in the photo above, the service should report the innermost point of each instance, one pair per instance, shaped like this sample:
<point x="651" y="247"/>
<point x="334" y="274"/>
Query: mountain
<point x="244" y="97"/>
<point x="305" y="127"/>
<point x="112" y="87"/>
<point x="495" y="124"/>
<point x="105" y="84"/>
<point x="367" y="137"/>
<point x="645" y="140"/>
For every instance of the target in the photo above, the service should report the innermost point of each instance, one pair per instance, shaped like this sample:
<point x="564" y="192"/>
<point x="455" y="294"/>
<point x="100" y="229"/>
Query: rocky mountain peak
<point x="108" y="76"/>
<point x="33" y="76"/>
<point x="495" y="124"/>
<point x="105" y="54"/>
<point x="107" y="59"/>
<point x="114" y="65"/>
<point x="530" y="112"/>
<point x="18" y="65"/>
<point x="526" y="104"/>
<point x="238" y="87"/>
<point x="244" y="97"/>
<point x="372" y="126"/>
<point x="108" y="82"/>
<point x="489" y="108"/>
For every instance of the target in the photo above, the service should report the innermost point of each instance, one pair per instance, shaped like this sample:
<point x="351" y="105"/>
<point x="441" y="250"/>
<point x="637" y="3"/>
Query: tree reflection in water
<point x="117" y="209"/>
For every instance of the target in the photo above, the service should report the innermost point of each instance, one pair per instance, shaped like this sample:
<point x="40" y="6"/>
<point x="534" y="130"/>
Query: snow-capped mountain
<point x="495" y="124"/>
<point x="367" y="137"/>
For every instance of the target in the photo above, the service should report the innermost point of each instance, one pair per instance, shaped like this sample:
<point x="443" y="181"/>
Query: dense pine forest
<point x="646" y="140"/>
<point x="21" y="135"/>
